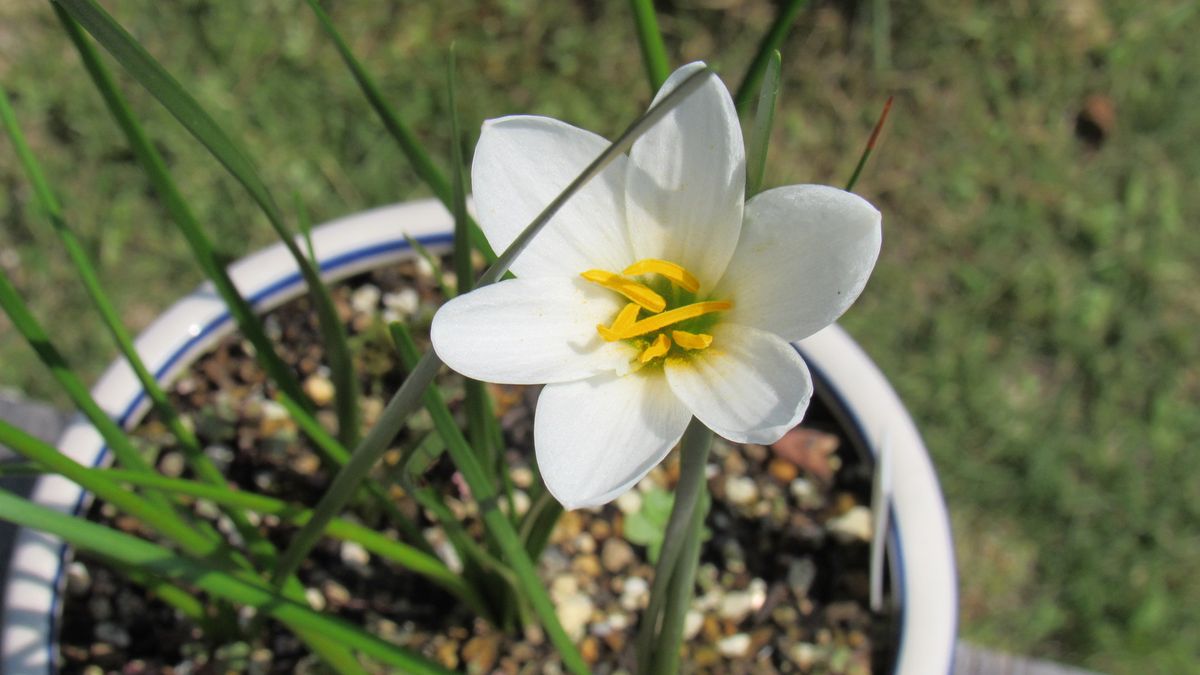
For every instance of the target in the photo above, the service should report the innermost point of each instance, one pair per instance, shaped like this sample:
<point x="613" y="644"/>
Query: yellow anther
<point x="660" y="321"/>
<point x="626" y="316"/>
<point x="691" y="340"/>
<point x="625" y="319"/>
<point x="630" y="289"/>
<point x="673" y="273"/>
<point x="660" y="346"/>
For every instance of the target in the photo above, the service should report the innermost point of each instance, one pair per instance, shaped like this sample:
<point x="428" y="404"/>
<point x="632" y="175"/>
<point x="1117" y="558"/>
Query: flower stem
<point x="693" y="458"/>
<point x="679" y="593"/>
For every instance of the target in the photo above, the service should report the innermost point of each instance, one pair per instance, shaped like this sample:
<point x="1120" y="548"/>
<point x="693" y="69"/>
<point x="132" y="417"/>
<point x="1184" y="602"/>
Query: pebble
<point x="319" y="389"/>
<point x="693" y="621"/>
<point x="405" y="301"/>
<point x="521" y="502"/>
<point x="365" y="299"/>
<point x="79" y="579"/>
<point x="355" y="556"/>
<point x="804" y="655"/>
<point x="336" y="593"/>
<point x="635" y="594"/>
<point x="522" y="477"/>
<point x="734" y="646"/>
<point x="740" y="490"/>
<point x="800" y="576"/>
<point x="782" y="470"/>
<point x="616" y="555"/>
<point x="588" y="566"/>
<point x="589" y="649"/>
<point x="853" y="525"/>
<point x="315" y="599"/>
<point x="630" y="502"/>
<point x="171" y="464"/>
<point x="481" y="653"/>
<point x="574" y="613"/>
<point x="563" y="588"/>
<point x="220" y="455"/>
<point x="805" y="493"/>
<point x="111" y="633"/>
<point x="737" y="605"/>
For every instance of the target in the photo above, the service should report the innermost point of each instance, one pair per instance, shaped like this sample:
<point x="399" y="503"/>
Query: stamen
<point x="661" y="345"/>
<point x="691" y="340"/>
<point x="625" y="319"/>
<point x="626" y="316"/>
<point x="630" y="289"/>
<point x="673" y="272"/>
<point x="659" y="321"/>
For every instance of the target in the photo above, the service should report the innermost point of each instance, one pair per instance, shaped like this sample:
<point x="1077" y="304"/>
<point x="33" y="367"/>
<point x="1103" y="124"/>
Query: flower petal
<point x="596" y="438"/>
<point x="686" y="182"/>
<point x="521" y="164"/>
<point x="750" y="386"/>
<point x="805" y="255"/>
<point x="530" y="331"/>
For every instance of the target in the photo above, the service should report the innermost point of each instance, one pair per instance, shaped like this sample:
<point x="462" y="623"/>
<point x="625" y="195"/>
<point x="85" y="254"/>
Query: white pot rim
<point x="919" y="529"/>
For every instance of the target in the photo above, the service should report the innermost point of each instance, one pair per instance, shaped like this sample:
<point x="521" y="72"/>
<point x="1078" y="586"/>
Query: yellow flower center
<point x="670" y="298"/>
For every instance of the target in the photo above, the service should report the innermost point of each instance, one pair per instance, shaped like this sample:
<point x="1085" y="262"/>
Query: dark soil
<point x="782" y="586"/>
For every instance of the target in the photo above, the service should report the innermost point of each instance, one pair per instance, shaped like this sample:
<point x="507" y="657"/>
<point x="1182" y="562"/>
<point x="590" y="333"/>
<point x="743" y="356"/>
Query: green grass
<point x="1035" y="302"/>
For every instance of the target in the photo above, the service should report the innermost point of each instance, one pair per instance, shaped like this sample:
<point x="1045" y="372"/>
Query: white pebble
<point x="805" y="493"/>
<point x="629" y="502"/>
<point x="315" y="599"/>
<point x="574" y="613"/>
<point x="740" y="490"/>
<point x="692" y="622"/>
<point x="853" y="525"/>
<point x="405" y="301"/>
<point x="319" y="389"/>
<point x="354" y="555"/>
<point x="734" y="646"/>
<point x="736" y="606"/>
<point x="635" y="595"/>
<point x="365" y="299"/>
<point x="563" y="587"/>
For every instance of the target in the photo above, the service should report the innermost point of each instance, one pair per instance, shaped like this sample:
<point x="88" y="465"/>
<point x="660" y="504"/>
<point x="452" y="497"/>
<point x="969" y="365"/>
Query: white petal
<point x="521" y="164"/>
<point x="529" y="331"/>
<point x="686" y="182"/>
<point x="596" y="438"/>
<point x="805" y="254"/>
<point x="750" y="386"/>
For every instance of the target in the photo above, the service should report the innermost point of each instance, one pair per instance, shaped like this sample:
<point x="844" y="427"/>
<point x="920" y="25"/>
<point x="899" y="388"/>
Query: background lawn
<point x="1035" y="303"/>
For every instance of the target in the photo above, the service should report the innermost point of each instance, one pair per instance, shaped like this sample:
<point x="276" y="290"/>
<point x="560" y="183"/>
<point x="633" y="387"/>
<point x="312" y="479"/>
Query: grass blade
<point x="196" y="459"/>
<point x="336" y="456"/>
<point x="167" y="192"/>
<point x="238" y="587"/>
<point x="156" y="80"/>
<point x="764" y="119"/>
<point x="408" y="397"/>
<point x="770" y="44"/>
<point x="654" y="52"/>
<point x="426" y="170"/>
<point x="862" y="160"/>
<point x="406" y="556"/>
<point x="29" y="328"/>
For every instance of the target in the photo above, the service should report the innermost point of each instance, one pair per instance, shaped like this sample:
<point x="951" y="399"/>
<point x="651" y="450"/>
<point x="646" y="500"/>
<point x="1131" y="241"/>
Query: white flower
<point x="655" y="294"/>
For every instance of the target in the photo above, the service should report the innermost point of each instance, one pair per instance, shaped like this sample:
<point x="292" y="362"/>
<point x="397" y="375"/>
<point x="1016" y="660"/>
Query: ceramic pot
<point x="921" y="559"/>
